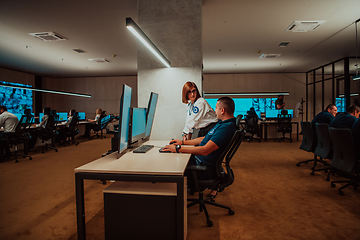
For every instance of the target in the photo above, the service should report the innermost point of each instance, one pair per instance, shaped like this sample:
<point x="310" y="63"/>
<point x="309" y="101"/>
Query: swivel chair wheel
<point x="312" y="173"/>
<point x="298" y="164"/>
<point x="56" y="150"/>
<point x="30" y="158"/>
<point x="210" y="223"/>
<point x="333" y="185"/>
<point x="327" y="179"/>
<point x="341" y="192"/>
<point x="231" y="212"/>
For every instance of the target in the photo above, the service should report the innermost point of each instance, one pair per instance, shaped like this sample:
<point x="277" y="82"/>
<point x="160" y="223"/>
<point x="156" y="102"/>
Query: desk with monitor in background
<point x="150" y="167"/>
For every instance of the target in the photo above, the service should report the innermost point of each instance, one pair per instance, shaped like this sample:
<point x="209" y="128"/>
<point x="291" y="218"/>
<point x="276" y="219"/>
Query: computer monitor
<point x="40" y="116"/>
<point x="138" y="124"/>
<point x="81" y="116"/>
<point x="340" y="104"/>
<point x="273" y="113"/>
<point x="124" y="116"/>
<point x="150" y="113"/>
<point x="63" y="116"/>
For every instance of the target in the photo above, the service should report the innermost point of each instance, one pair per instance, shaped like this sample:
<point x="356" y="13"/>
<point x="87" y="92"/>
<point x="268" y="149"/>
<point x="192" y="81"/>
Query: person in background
<point x="325" y="116"/>
<point x="347" y="119"/>
<point x="41" y="127"/>
<point x="208" y="148"/>
<point x="98" y="114"/>
<point x="8" y="121"/>
<point x="61" y="136"/>
<point x="199" y="113"/>
<point x="279" y="103"/>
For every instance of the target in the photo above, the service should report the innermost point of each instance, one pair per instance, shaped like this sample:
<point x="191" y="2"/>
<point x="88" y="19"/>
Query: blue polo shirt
<point x="221" y="135"/>
<point x="345" y="120"/>
<point x="323" y="117"/>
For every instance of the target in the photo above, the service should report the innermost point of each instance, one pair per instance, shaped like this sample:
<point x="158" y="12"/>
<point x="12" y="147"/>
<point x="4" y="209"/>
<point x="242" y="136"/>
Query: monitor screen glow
<point x="138" y="124"/>
<point x="124" y="116"/>
<point x="81" y="116"/>
<point x="151" y="113"/>
<point x="63" y="116"/>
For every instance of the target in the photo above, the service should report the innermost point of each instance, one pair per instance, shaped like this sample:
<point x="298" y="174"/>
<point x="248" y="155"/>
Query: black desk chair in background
<point x="72" y="130"/>
<point x="344" y="160"/>
<point x="324" y="147"/>
<point x="49" y="132"/>
<point x="284" y="126"/>
<point x="19" y="136"/>
<point x="224" y="178"/>
<point x="252" y="127"/>
<point x="308" y="143"/>
<point x="97" y="127"/>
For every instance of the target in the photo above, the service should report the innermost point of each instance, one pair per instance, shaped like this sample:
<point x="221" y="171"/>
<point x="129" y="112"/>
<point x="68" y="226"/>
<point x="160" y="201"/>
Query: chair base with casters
<point x="23" y="155"/>
<point x="45" y="148"/>
<point x="70" y="137"/>
<point x="353" y="181"/>
<point x="202" y="207"/>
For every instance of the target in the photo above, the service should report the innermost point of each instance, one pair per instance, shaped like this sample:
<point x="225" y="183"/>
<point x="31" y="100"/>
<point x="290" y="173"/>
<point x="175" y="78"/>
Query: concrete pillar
<point x="174" y="26"/>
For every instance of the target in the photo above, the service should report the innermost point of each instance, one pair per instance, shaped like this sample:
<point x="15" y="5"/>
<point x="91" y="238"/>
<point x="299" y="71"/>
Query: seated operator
<point x="213" y="144"/>
<point x="347" y="119"/>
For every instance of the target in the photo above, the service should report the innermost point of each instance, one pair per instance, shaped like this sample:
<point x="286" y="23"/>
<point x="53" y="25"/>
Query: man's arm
<point x="208" y="148"/>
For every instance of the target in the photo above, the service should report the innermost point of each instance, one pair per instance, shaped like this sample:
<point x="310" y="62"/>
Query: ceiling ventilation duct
<point x="270" y="55"/>
<point x="48" y="36"/>
<point x="304" y="26"/>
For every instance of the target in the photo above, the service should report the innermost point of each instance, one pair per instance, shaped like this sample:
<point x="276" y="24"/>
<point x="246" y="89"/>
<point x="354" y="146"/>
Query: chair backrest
<point x="284" y="122"/>
<point x="73" y="122"/>
<point x="344" y="156"/>
<point x="238" y="121"/>
<point x="324" y="143"/>
<point x="307" y="143"/>
<point x="50" y="124"/>
<point x="252" y="123"/>
<point x="226" y="157"/>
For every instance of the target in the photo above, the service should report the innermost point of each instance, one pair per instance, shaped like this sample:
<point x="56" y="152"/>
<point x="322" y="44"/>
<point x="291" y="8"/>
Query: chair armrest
<point x="197" y="168"/>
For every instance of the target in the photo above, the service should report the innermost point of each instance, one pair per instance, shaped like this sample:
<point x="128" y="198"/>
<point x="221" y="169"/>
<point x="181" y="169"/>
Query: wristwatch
<point x="177" y="147"/>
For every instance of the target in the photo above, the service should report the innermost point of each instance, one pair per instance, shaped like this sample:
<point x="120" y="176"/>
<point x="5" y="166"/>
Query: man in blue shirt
<point x="346" y="120"/>
<point x="213" y="144"/>
<point x="325" y="116"/>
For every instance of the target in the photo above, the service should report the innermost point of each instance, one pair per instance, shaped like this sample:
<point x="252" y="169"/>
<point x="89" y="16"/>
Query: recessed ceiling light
<point x="99" y="60"/>
<point x="270" y="55"/>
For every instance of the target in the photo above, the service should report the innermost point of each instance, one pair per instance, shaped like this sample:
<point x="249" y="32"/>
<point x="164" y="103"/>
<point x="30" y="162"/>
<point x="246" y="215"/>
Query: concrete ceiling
<point x="235" y="34"/>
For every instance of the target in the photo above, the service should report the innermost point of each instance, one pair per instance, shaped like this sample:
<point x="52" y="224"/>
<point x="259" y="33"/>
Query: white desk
<point x="149" y="167"/>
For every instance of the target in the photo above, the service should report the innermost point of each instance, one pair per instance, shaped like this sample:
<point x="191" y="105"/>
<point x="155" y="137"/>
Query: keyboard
<point x="161" y="150"/>
<point x="143" y="148"/>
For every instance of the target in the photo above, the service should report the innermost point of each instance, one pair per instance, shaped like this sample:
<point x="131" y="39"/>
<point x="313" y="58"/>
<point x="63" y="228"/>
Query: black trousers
<point x="203" y="131"/>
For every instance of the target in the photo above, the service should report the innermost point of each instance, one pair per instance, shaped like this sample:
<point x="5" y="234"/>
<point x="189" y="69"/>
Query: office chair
<point x="284" y="126"/>
<point x="19" y="136"/>
<point x="98" y="127"/>
<point x="223" y="179"/>
<point x="252" y="127"/>
<point x="239" y="124"/>
<point x="308" y="142"/>
<point x="49" y="132"/>
<point x="324" y="147"/>
<point x="344" y="160"/>
<point x="72" y="130"/>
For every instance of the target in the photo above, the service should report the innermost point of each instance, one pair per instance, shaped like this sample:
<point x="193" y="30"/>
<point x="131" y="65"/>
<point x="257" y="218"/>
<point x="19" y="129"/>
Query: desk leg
<point x="180" y="209"/>
<point x="80" y="207"/>
<point x="297" y="131"/>
<point x="265" y="132"/>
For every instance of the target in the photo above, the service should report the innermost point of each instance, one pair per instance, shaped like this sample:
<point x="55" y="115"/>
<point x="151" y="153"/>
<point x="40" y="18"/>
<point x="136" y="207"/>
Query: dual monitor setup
<point x="63" y="116"/>
<point x="134" y="123"/>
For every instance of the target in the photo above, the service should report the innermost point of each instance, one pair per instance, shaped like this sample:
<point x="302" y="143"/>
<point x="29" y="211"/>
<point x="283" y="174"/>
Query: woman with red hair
<point x="199" y="113"/>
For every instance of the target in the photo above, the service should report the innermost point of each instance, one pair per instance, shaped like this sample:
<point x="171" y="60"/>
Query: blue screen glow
<point x="16" y="99"/>
<point x="125" y="103"/>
